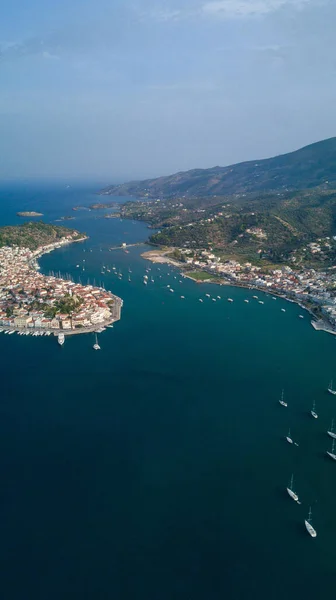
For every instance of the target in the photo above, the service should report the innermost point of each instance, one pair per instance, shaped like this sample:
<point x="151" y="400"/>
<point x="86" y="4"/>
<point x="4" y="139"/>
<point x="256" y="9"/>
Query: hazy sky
<point x="117" y="89"/>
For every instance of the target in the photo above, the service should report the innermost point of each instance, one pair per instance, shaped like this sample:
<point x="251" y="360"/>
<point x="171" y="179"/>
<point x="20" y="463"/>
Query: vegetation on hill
<point x="268" y="226"/>
<point x="32" y="235"/>
<point x="311" y="166"/>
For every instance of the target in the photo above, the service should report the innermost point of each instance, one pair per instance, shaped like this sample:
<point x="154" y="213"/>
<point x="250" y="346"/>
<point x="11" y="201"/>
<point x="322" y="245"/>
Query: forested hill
<point x="311" y="166"/>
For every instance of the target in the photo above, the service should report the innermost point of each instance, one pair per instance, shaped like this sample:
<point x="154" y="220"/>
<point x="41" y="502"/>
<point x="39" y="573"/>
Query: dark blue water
<point x="156" y="469"/>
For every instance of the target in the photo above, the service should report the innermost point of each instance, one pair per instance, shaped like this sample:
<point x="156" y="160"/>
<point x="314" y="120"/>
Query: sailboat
<point x="331" y="430"/>
<point x="288" y="437"/>
<point x="309" y="526"/>
<point x="332" y="453"/>
<point x="96" y="345"/>
<point x="330" y="389"/>
<point x="281" y="401"/>
<point x="291" y="491"/>
<point x="313" y="412"/>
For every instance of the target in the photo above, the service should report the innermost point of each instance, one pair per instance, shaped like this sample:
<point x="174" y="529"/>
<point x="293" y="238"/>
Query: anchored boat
<point x="281" y="401"/>
<point x="309" y="526"/>
<point x="331" y="430"/>
<point x="332" y="453"/>
<point x="288" y="437"/>
<point x="291" y="491"/>
<point x="96" y="345"/>
<point x="330" y="389"/>
<point x="313" y="412"/>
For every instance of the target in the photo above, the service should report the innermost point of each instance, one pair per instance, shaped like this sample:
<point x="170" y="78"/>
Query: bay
<point x="157" y="468"/>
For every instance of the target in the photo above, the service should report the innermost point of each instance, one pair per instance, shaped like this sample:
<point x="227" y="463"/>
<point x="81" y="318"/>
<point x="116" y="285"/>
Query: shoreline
<point x="160" y="256"/>
<point x="93" y="328"/>
<point x="56" y="332"/>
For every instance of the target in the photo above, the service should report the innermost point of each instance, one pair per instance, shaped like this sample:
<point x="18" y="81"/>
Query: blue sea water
<point x="157" y="468"/>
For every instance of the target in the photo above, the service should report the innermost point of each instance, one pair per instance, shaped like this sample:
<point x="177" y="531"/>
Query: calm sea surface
<point x="157" y="468"/>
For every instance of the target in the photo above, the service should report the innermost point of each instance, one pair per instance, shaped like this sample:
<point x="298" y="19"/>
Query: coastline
<point x="66" y="332"/>
<point x="160" y="256"/>
<point x="115" y="309"/>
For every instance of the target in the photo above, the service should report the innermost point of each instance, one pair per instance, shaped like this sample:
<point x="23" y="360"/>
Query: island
<point x="29" y="213"/>
<point x="38" y="304"/>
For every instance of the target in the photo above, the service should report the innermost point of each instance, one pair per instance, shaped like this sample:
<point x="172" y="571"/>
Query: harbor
<point x="178" y="412"/>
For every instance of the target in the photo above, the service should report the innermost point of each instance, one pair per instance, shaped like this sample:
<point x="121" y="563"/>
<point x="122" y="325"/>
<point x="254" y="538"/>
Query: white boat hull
<point x="293" y="495"/>
<point x="282" y="403"/>
<point x="332" y="455"/>
<point x="310" y="529"/>
<point x="332" y="434"/>
<point x="289" y="440"/>
<point x="333" y="392"/>
<point x="313" y="414"/>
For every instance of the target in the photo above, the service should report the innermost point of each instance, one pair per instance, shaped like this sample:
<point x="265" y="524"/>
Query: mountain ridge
<point x="311" y="166"/>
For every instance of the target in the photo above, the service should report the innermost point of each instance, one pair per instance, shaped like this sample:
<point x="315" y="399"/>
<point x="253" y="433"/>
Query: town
<point x="32" y="302"/>
<point x="311" y="288"/>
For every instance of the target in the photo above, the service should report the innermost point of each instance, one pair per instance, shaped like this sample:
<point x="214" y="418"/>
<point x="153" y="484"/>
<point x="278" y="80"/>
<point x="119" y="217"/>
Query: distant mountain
<point x="311" y="166"/>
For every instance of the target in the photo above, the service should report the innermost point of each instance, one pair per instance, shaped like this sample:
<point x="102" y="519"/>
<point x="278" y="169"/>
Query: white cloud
<point x="227" y="9"/>
<point x="167" y="15"/>
<point x="248" y="8"/>
<point x="160" y="14"/>
<point x="50" y="56"/>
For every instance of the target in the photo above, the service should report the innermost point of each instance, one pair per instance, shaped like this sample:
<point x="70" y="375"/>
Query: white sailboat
<point x="309" y="526"/>
<point x="331" y="430"/>
<point x="281" y="401"/>
<point x="332" y="453"/>
<point x="288" y="437"/>
<point x="96" y="345"/>
<point x="313" y="412"/>
<point x="330" y="389"/>
<point x="291" y="491"/>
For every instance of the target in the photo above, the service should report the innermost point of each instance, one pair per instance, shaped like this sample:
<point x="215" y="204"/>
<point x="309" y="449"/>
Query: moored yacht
<point x="60" y="339"/>
<point x="96" y="345"/>
<point x="314" y="413"/>
<point x="330" y="389"/>
<point x="309" y="526"/>
<point x="282" y="401"/>
<point x="331" y="430"/>
<point x="291" y="491"/>
<point x="288" y="437"/>
<point x="332" y="453"/>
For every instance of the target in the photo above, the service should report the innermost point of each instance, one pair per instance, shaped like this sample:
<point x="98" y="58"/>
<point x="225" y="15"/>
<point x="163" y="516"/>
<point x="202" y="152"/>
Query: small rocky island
<point x="34" y="303"/>
<point x="29" y="213"/>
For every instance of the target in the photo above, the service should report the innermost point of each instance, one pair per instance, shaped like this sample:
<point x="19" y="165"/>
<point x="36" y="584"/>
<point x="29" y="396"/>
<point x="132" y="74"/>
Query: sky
<point x="126" y="89"/>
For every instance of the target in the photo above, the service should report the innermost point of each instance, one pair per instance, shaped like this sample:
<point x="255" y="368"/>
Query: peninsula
<point x="32" y="302"/>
